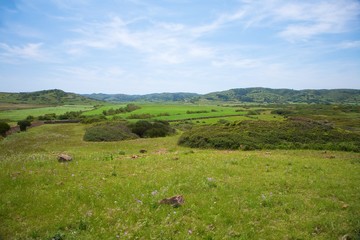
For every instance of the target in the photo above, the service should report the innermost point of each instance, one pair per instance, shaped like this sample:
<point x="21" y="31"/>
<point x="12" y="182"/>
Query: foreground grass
<point x="104" y="193"/>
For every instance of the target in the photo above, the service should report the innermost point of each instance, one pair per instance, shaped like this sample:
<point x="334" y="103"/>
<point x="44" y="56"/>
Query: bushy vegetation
<point x="23" y="124"/>
<point x="155" y="129"/>
<point x="194" y="112"/>
<point x="4" y="127"/>
<point x="129" y="108"/>
<point x="140" y="116"/>
<point x="117" y="131"/>
<point x="93" y="119"/>
<point x="48" y="97"/>
<point x="295" y="133"/>
<point x="108" y="132"/>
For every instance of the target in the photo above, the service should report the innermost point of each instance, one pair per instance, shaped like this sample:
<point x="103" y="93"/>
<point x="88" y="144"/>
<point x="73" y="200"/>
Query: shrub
<point x="291" y="134"/>
<point x="108" y="132"/>
<point x="117" y="131"/>
<point x="4" y="127"/>
<point x="129" y="108"/>
<point x="147" y="129"/>
<point x="23" y="124"/>
<point x="194" y="112"/>
<point x="47" y="117"/>
<point x="140" y="116"/>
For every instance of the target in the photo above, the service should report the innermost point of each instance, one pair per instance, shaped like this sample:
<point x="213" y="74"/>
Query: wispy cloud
<point x="350" y="44"/>
<point x="311" y="19"/>
<point x="303" y="20"/>
<point x="164" y="42"/>
<point x="31" y="51"/>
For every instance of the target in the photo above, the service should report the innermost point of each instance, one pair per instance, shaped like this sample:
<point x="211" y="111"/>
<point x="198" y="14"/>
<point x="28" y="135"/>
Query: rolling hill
<point x="238" y="95"/>
<point x="153" y="97"/>
<point x="244" y="95"/>
<point x="48" y="97"/>
<point x="268" y="95"/>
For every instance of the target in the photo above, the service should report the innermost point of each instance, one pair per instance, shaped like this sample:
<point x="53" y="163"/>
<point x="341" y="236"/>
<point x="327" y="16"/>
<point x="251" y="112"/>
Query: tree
<point x="4" y="127"/>
<point x="23" y="124"/>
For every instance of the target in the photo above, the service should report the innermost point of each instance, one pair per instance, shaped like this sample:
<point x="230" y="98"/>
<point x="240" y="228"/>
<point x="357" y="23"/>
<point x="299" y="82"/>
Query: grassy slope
<point x="229" y="195"/>
<point x="261" y="95"/>
<point x="48" y="97"/>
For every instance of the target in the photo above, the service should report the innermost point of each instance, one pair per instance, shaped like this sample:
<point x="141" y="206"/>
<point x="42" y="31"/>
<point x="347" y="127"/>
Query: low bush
<point x="195" y="112"/>
<point x="117" y="131"/>
<point x="294" y="133"/>
<point x="107" y="132"/>
<point x="4" y="127"/>
<point x="140" y="116"/>
<point x="129" y="108"/>
<point x="146" y="129"/>
<point x="23" y="124"/>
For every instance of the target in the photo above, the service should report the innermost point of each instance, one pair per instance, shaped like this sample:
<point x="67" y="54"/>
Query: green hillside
<point x="268" y="95"/>
<point x="153" y="97"/>
<point x="48" y="97"/>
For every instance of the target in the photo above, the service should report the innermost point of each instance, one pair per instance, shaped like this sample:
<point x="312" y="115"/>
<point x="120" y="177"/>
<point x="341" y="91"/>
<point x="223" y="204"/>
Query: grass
<point x="174" y="112"/>
<point x="105" y="193"/>
<point x="15" y="115"/>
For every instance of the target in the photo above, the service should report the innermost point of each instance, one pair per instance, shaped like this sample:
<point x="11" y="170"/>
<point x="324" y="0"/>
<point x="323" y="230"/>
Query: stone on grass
<point x="174" y="201"/>
<point x="64" y="158"/>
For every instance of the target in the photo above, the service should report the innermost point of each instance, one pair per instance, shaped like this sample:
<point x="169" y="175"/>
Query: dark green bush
<point x="129" y="108"/>
<point x="47" y="117"/>
<point x="108" y="132"/>
<point x="23" y="124"/>
<point x="117" y="131"/>
<point x="295" y="133"/>
<point x="4" y="127"/>
<point x="145" y="128"/>
<point x="140" y="116"/>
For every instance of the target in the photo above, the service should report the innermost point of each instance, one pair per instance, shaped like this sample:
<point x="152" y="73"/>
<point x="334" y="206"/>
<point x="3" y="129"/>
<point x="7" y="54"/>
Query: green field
<point x="19" y="114"/>
<point x="174" y="112"/>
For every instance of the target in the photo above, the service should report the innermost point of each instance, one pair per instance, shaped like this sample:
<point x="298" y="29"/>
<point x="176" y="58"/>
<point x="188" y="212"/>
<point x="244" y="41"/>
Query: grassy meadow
<point x="111" y="191"/>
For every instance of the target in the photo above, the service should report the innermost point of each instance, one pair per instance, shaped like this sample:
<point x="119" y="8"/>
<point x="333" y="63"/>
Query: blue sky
<point x="147" y="46"/>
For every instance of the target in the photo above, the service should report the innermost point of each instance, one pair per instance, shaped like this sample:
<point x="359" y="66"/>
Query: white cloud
<point x="308" y="20"/>
<point x="300" y="20"/>
<point x="163" y="42"/>
<point x="30" y="51"/>
<point x="218" y="23"/>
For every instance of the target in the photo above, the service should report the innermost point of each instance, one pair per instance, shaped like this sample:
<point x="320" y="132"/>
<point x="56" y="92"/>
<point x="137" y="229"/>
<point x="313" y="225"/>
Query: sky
<point x="199" y="46"/>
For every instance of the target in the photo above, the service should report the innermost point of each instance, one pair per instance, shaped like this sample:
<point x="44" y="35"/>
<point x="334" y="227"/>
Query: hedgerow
<point x="294" y="133"/>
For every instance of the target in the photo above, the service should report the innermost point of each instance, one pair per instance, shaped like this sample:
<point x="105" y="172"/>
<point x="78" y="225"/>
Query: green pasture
<point x="15" y="115"/>
<point x="99" y="110"/>
<point x="111" y="191"/>
<point x="265" y="117"/>
<point x="179" y="112"/>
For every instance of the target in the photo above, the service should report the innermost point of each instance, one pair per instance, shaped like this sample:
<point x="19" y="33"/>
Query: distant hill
<point x="154" y="97"/>
<point x="48" y="97"/>
<point x="238" y="95"/>
<point x="268" y="95"/>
